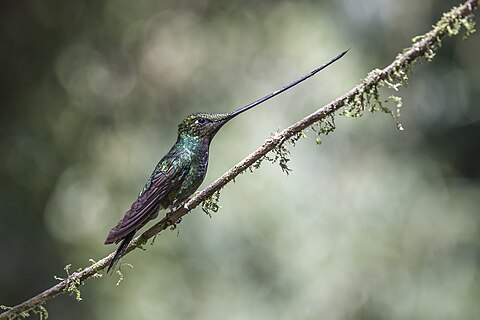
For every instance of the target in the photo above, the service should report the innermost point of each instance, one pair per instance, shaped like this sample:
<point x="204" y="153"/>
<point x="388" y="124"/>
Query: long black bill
<point x="293" y="84"/>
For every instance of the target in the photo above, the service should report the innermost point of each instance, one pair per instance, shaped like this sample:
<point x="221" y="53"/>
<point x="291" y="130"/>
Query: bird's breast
<point x="193" y="176"/>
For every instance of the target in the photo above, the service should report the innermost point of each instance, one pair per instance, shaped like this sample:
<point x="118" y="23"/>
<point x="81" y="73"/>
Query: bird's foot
<point x="172" y="224"/>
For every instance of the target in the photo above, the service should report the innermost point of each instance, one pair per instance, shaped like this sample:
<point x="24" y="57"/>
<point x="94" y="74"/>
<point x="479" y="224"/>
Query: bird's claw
<point x="172" y="224"/>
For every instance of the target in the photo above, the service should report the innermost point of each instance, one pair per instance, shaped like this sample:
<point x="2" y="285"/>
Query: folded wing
<point x="143" y="208"/>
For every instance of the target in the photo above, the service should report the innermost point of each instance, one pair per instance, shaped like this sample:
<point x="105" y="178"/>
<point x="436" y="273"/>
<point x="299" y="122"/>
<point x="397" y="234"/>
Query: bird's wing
<point x="147" y="203"/>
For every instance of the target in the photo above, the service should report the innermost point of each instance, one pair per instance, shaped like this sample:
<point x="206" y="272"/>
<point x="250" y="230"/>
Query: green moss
<point x="96" y="267"/>
<point x="256" y="165"/>
<point x="121" y="277"/>
<point x="323" y="127"/>
<point x="72" y="284"/>
<point x="39" y="311"/>
<point x="299" y="135"/>
<point x="210" y="205"/>
<point x="280" y="154"/>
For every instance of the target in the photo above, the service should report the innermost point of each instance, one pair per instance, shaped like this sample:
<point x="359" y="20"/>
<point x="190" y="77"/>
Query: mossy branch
<point x="364" y="96"/>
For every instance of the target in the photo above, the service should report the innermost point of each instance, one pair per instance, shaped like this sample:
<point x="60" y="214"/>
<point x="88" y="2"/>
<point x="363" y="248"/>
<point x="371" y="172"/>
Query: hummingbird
<point x="182" y="170"/>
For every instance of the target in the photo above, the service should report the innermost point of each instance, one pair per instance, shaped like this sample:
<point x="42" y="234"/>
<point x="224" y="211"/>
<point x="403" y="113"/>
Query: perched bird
<point x="181" y="171"/>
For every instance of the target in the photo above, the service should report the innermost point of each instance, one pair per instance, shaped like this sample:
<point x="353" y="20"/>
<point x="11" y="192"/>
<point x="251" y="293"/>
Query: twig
<point x="423" y="47"/>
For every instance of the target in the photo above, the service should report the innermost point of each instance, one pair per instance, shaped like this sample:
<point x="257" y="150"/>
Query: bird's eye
<point x="201" y="121"/>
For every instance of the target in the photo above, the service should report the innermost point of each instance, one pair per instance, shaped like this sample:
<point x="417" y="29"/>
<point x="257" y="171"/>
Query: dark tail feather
<point x="121" y="250"/>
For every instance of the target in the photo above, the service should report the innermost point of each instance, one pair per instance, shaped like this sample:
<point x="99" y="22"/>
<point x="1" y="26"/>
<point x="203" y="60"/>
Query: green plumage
<point x="178" y="174"/>
<point x="181" y="171"/>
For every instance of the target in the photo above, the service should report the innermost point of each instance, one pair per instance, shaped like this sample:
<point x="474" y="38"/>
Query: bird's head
<point x="203" y="125"/>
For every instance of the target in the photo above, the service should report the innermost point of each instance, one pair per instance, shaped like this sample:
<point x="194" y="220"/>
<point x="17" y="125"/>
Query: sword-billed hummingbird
<point x="181" y="171"/>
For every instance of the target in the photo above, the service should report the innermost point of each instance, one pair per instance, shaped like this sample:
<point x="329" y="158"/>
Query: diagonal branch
<point x="424" y="47"/>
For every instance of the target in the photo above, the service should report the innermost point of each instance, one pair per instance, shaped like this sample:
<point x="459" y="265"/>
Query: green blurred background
<point x="373" y="224"/>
